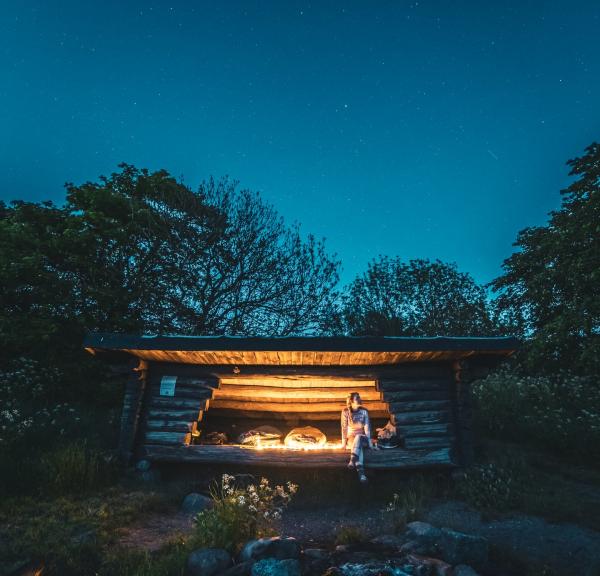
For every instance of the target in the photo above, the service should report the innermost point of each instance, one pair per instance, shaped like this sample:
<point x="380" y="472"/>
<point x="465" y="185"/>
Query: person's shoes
<point x="352" y="463"/>
<point x="361" y="475"/>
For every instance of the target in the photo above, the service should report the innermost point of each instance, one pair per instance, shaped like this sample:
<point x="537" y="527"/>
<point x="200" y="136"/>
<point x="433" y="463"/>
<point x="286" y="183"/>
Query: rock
<point x="194" y="503"/>
<point x="142" y="465"/>
<point x="460" y="548"/>
<point x="240" y="569"/>
<point x="422" y="531"/>
<point x="433" y="566"/>
<point x="316" y="553"/>
<point x="391" y="541"/>
<point x="151" y="476"/>
<point x="379" y="568"/>
<point x="414" y="546"/>
<point x="273" y="567"/>
<point x="208" y="562"/>
<point x="280" y="548"/>
<point x="464" y="570"/>
<point x="342" y="548"/>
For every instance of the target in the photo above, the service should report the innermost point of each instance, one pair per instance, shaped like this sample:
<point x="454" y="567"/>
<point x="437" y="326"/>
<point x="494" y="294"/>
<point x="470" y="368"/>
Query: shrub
<point x="553" y="412"/>
<point x="76" y="467"/>
<point x="241" y="513"/>
<point x="407" y="504"/>
<point x="499" y="485"/>
<point x="350" y="534"/>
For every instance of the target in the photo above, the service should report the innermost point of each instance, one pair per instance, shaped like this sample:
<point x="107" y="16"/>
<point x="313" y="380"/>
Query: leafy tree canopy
<point x="549" y="288"/>
<point x="418" y="298"/>
<point x="141" y="252"/>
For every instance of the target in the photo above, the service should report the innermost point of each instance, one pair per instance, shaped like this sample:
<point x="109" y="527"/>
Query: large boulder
<point x="194" y="503"/>
<point x="388" y="541"/>
<point x="422" y="531"/>
<point x="464" y="570"/>
<point x="375" y="568"/>
<point x="274" y="567"/>
<point x="460" y="548"/>
<point x="449" y="545"/>
<point x="208" y="562"/>
<point x="239" y="569"/>
<point x="280" y="548"/>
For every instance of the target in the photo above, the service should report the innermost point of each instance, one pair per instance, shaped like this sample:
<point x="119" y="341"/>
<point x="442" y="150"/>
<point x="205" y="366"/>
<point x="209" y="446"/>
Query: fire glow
<point x="294" y="445"/>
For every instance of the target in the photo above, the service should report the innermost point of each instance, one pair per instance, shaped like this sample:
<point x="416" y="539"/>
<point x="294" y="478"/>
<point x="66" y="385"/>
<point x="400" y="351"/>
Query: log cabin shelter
<point x="180" y="391"/>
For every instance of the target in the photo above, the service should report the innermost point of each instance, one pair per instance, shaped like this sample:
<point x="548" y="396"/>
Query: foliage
<point x="555" y="412"/>
<point x="491" y="486"/>
<point x="73" y="534"/>
<point x="170" y="560"/>
<point x="258" y="277"/>
<point x="350" y="534"/>
<point x="140" y="252"/>
<point x="407" y="504"/>
<point x="549" y="289"/>
<point x="77" y="467"/>
<point x="418" y="298"/>
<point x="241" y="513"/>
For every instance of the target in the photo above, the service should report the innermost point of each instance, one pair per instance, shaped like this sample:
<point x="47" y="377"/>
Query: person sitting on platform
<point x="356" y="432"/>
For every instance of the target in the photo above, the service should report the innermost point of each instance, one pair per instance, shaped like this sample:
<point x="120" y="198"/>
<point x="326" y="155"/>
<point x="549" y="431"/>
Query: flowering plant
<point x="240" y="513"/>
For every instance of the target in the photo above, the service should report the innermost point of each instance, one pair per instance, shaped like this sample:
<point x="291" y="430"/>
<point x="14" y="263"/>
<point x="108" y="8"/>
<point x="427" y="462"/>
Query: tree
<point x="550" y="286"/>
<point x="141" y="252"/>
<point x="418" y="298"/>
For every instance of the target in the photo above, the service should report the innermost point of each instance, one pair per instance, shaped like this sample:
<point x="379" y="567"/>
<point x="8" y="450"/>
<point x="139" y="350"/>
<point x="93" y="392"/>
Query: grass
<point x="350" y="534"/>
<point x="71" y="533"/>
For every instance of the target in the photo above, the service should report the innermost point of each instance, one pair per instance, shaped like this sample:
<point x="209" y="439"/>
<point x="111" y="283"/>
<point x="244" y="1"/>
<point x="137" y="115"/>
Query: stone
<point x="151" y="476"/>
<point x="379" y="568"/>
<point x="414" y="546"/>
<point x="422" y="531"/>
<point x="434" y="566"/>
<point x="460" y="548"/>
<point x="342" y="548"/>
<point x="464" y="570"/>
<point x="208" y="562"/>
<point x="142" y="465"/>
<point x="391" y="541"/>
<point x="316" y="553"/>
<point x="240" y="569"/>
<point x="280" y="548"/>
<point x="194" y="503"/>
<point x="274" y="567"/>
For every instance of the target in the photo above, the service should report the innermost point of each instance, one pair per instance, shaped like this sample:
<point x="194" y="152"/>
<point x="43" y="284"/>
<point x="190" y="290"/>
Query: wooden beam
<point x="381" y="459"/>
<point x="291" y="407"/>
<point x="399" y="407"/>
<point x="270" y="394"/>
<point x="288" y="416"/>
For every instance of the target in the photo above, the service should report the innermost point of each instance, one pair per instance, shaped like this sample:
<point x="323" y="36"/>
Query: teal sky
<point x="412" y="129"/>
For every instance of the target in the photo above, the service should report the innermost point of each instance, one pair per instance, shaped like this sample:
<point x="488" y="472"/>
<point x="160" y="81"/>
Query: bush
<point x="553" y="412"/>
<point x="407" y="504"/>
<point x="240" y="513"/>
<point x="350" y="535"/>
<point x="77" y="467"/>
<point x="499" y="485"/>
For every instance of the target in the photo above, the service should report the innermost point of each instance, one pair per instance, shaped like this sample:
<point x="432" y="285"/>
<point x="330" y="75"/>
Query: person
<point x="356" y="432"/>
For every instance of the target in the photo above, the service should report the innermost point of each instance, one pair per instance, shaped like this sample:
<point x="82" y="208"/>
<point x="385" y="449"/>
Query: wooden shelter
<point x="179" y="388"/>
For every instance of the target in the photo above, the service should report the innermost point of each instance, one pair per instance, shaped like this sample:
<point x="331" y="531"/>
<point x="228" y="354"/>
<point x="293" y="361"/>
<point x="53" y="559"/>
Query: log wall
<point x="422" y="399"/>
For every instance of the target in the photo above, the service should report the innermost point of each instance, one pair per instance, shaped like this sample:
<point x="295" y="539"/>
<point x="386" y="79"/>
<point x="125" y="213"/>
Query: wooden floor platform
<point x="390" y="459"/>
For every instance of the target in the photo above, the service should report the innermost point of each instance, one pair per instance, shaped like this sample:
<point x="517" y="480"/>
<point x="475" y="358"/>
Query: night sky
<point x="412" y="129"/>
